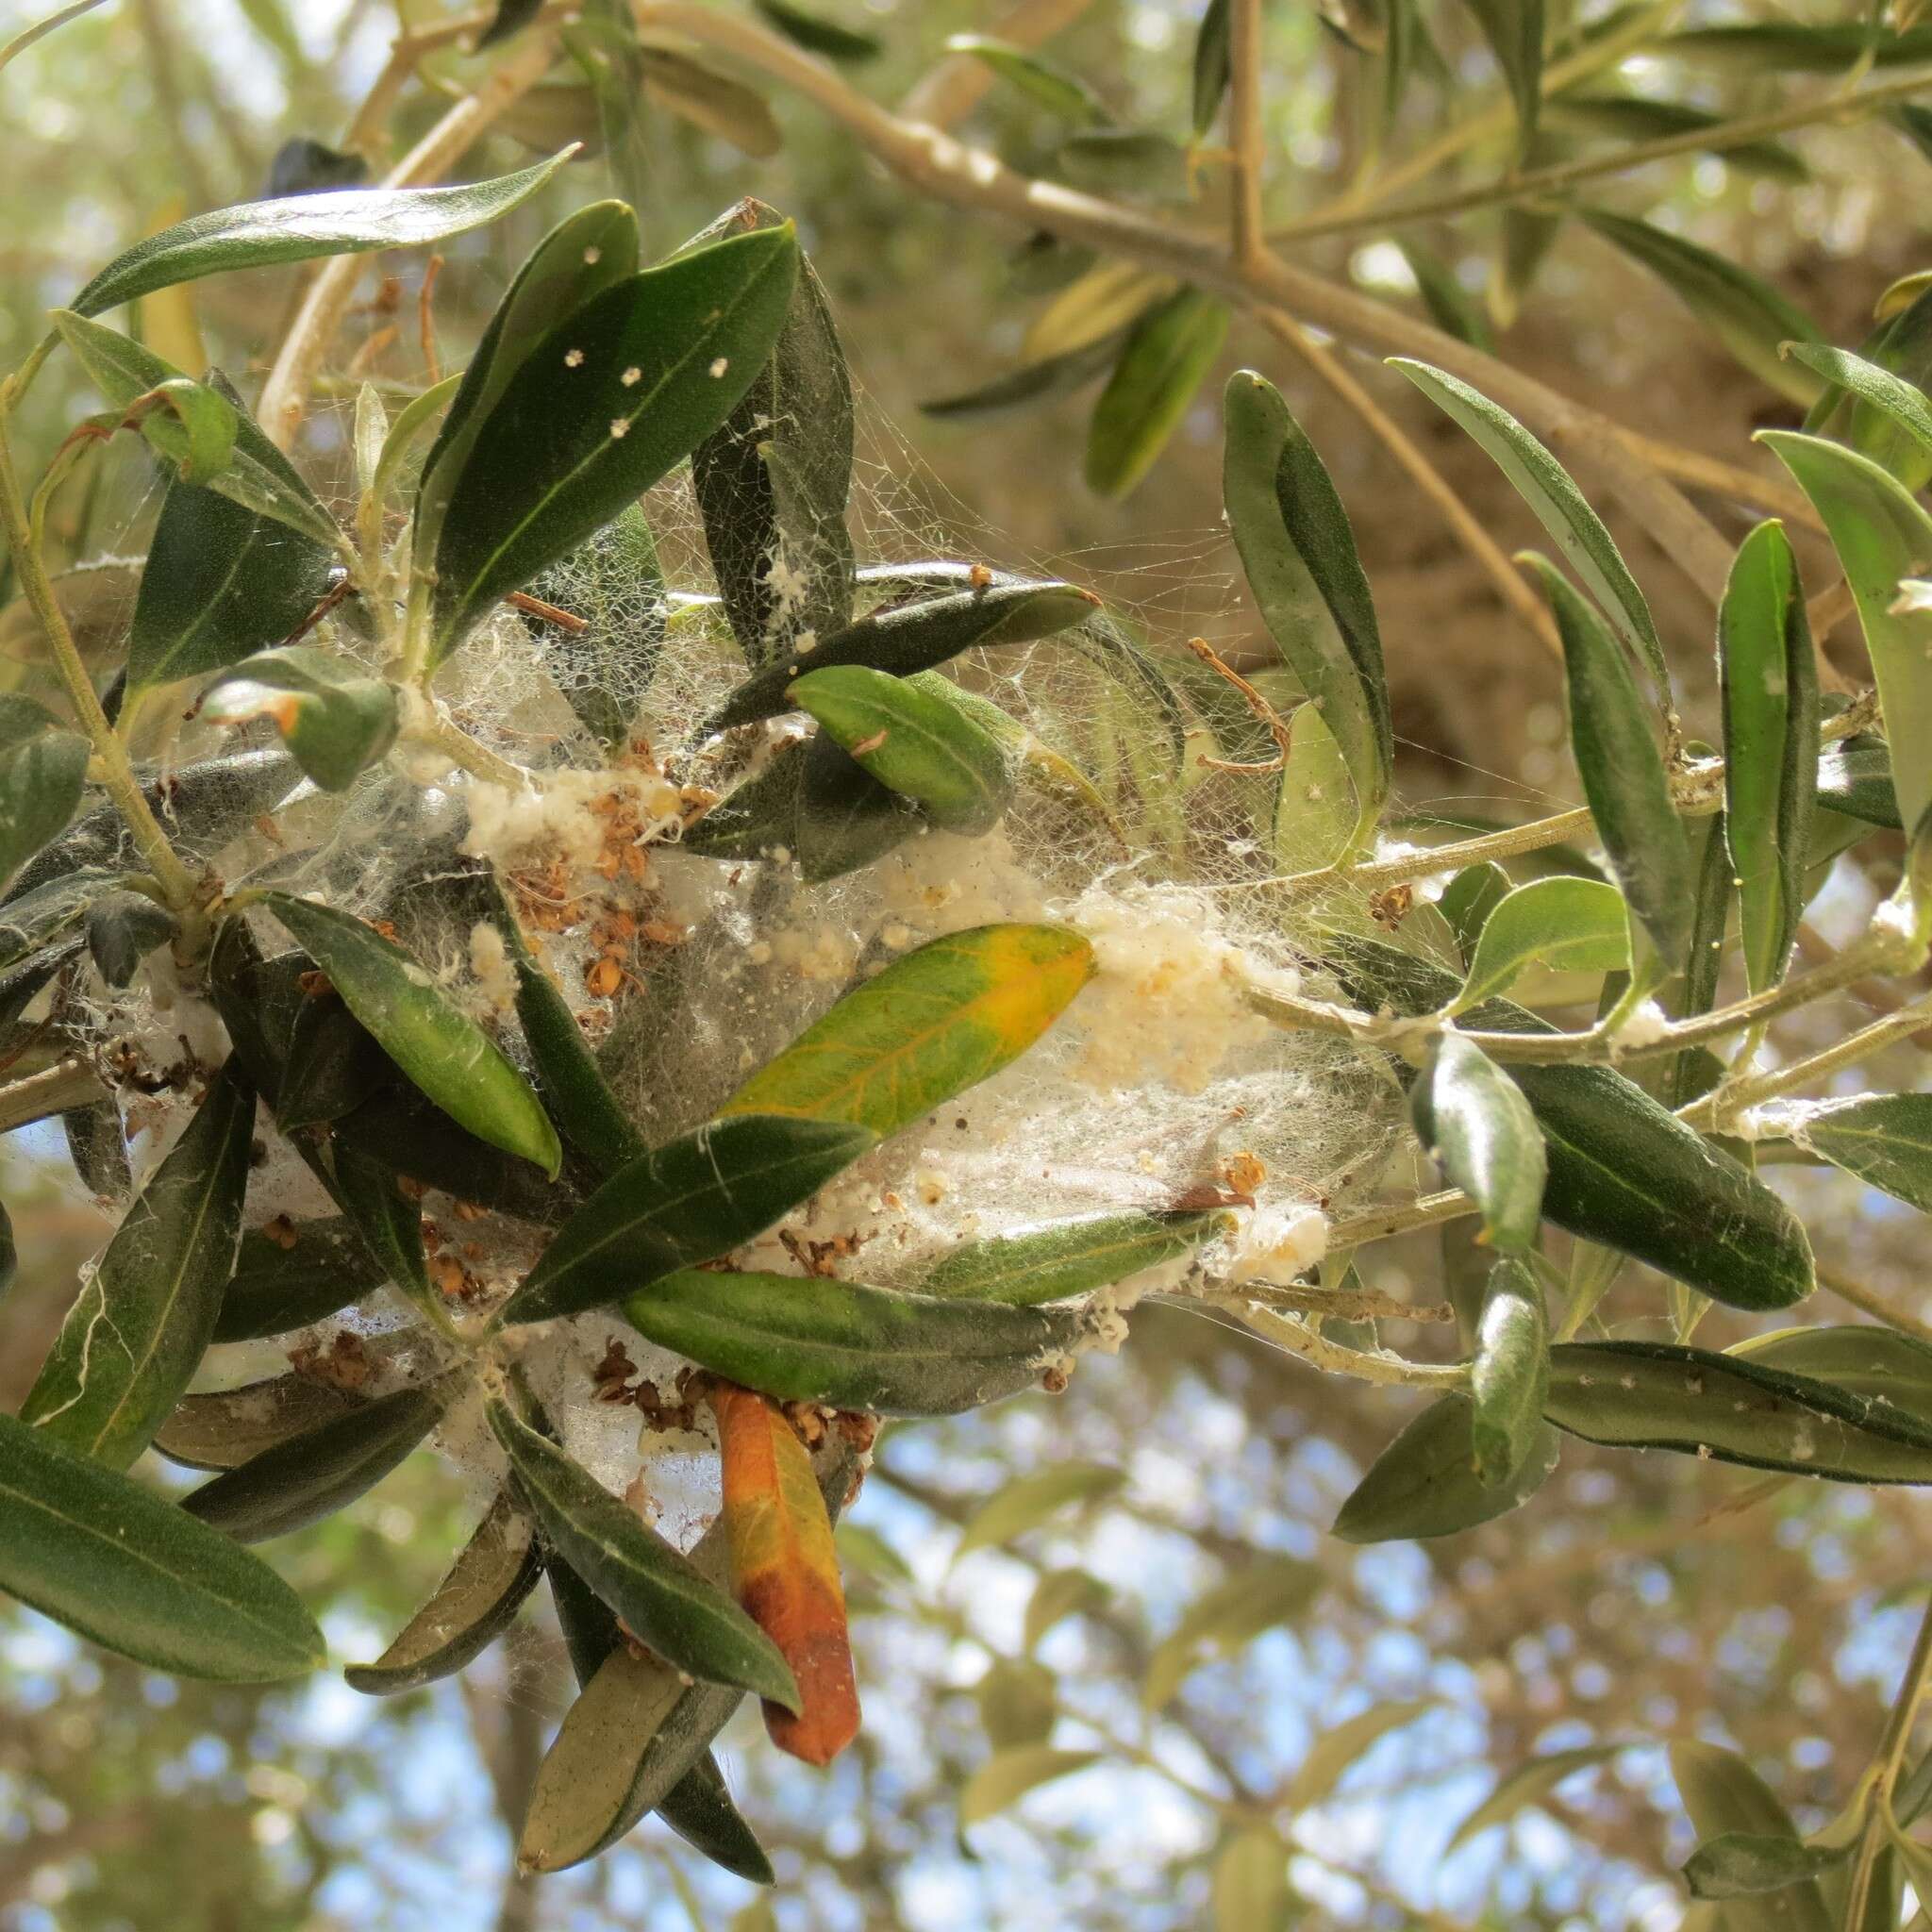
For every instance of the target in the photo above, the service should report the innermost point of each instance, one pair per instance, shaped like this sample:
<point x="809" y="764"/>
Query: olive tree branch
<point x="1887" y="1765"/>
<point x="935" y="164"/>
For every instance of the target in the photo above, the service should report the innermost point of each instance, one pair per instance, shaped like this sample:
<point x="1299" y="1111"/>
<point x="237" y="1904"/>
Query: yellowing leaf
<point x="941" y="1018"/>
<point x="1007" y="1776"/>
<point x="785" y="1570"/>
<point x="1030" y="1500"/>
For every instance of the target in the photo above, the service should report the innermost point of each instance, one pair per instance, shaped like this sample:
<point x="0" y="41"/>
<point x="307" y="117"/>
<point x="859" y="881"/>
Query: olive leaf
<point x="300" y="228"/>
<point x="450" y="1059"/>
<point x="915" y="738"/>
<point x="1510" y="1374"/>
<point x="945" y="1016"/>
<point x="259" y="477"/>
<point x="1768" y="678"/>
<point x="692" y="1623"/>
<point x="1479" y="1125"/>
<point x="1514" y="29"/>
<point x="772" y="480"/>
<point x="287" y="1277"/>
<point x="1164" y="360"/>
<point x="1746" y="314"/>
<point x="587" y="252"/>
<point x="1425" y="1483"/>
<point x="692" y="1200"/>
<point x="1882" y="536"/>
<point x="906" y="638"/>
<point x="467" y="1611"/>
<point x="596" y="410"/>
<point x="123" y="1566"/>
<point x="1264" y="1594"/>
<point x="1884" y="1139"/>
<point x="1051" y="1263"/>
<point x="42" y="770"/>
<point x="845" y="1346"/>
<point x="311" y="1475"/>
<point x="1299" y="555"/>
<point x="138" y="1330"/>
<point x="1622" y="772"/>
<point x="1543" y="483"/>
<point x="817" y="35"/>
<point x="1045" y="84"/>
<point x="1569" y="925"/>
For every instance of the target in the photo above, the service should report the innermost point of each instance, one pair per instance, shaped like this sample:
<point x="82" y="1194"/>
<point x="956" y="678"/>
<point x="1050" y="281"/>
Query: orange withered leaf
<point x="785" y="1570"/>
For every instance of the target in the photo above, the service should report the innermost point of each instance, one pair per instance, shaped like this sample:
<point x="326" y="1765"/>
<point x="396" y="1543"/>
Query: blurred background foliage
<point x="1636" y="1600"/>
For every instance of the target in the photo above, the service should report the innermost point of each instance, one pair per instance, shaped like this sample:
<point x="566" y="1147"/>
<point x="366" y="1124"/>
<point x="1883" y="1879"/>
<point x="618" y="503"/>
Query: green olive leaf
<point x="300" y="227"/>
<point x="1768" y="678"/>
<point x="1746" y="314"/>
<point x="42" y="770"/>
<point x="906" y="638"/>
<point x="1731" y="1408"/>
<point x="1510" y="1373"/>
<point x="817" y="35"/>
<point x="1030" y="1501"/>
<point x="467" y="1611"/>
<point x="1882" y="536"/>
<point x="1528" y="1784"/>
<point x="1213" y="64"/>
<point x="774" y="479"/>
<point x="692" y="1200"/>
<point x="916" y="738"/>
<point x="690" y="1622"/>
<point x="141" y="1322"/>
<point x="1062" y="1258"/>
<point x="1622" y="772"/>
<point x="597" y="410"/>
<point x="227" y="1428"/>
<point x="945" y="1016"/>
<point x="1164" y="360"/>
<point x="1543" y="483"/>
<point x="1046" y="85"/>
<point x="1514" y="29"/>
<point x="1569" y="925"/>
<point x="587" y="252"/>
<point x="1477" y="1122"/>
<point x="1299" y="555"/>
<point x="1426" y="1484"/>
<point x="1265" y="1593"/>
<point x="851" y="1348"/>
<point x="1884" y="1139"/>
<point x="449" y="1058"/>
<point x="258" y="476"/>
<point x="286" y="1278"/>
<point x="305" y="1477"/>
<point x="95" y="1551"/>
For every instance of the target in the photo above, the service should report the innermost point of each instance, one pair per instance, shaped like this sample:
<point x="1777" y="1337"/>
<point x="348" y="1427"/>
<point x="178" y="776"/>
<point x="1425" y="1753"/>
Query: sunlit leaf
<point x="1165" y="360"/>
<point x="935" y="1022"/>
<point x="1569" y="925"/>
<point x="1529" y="1784"/>
<point x="1478" y="1124"/>
<point x="1544" y="484"/>
<point x="1622" y="772"/>
<point x="1767" y="676"/>
<point x="1341" y="1746"/>
<point x="1068" y="1258"/>
<point x="1882" y="536"/>
<point x="1884" y="1139"/>
<point x="1006" y="1777"/>
<point x="300" y="227"/>
<point x="336" y="724"/>
<point x="595" y="411"/>
<point x="1267" y="1592"/>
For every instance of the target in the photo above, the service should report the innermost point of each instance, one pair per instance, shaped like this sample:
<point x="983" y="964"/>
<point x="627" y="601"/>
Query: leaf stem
<point x="116" y="771"/>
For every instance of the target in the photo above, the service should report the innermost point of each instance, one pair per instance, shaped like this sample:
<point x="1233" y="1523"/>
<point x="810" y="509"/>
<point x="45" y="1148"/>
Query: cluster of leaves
<point x="594" y="380"/>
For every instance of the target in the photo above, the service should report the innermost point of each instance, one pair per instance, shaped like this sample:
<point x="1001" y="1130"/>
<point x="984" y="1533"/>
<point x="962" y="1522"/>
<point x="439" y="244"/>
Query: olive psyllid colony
<point x="744" y="1018"/>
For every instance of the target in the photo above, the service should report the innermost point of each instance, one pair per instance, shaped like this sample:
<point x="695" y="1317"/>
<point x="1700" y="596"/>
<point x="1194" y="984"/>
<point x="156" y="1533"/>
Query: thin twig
<point x="1875" y="1305"/>
<point x="1244" y="129"/>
